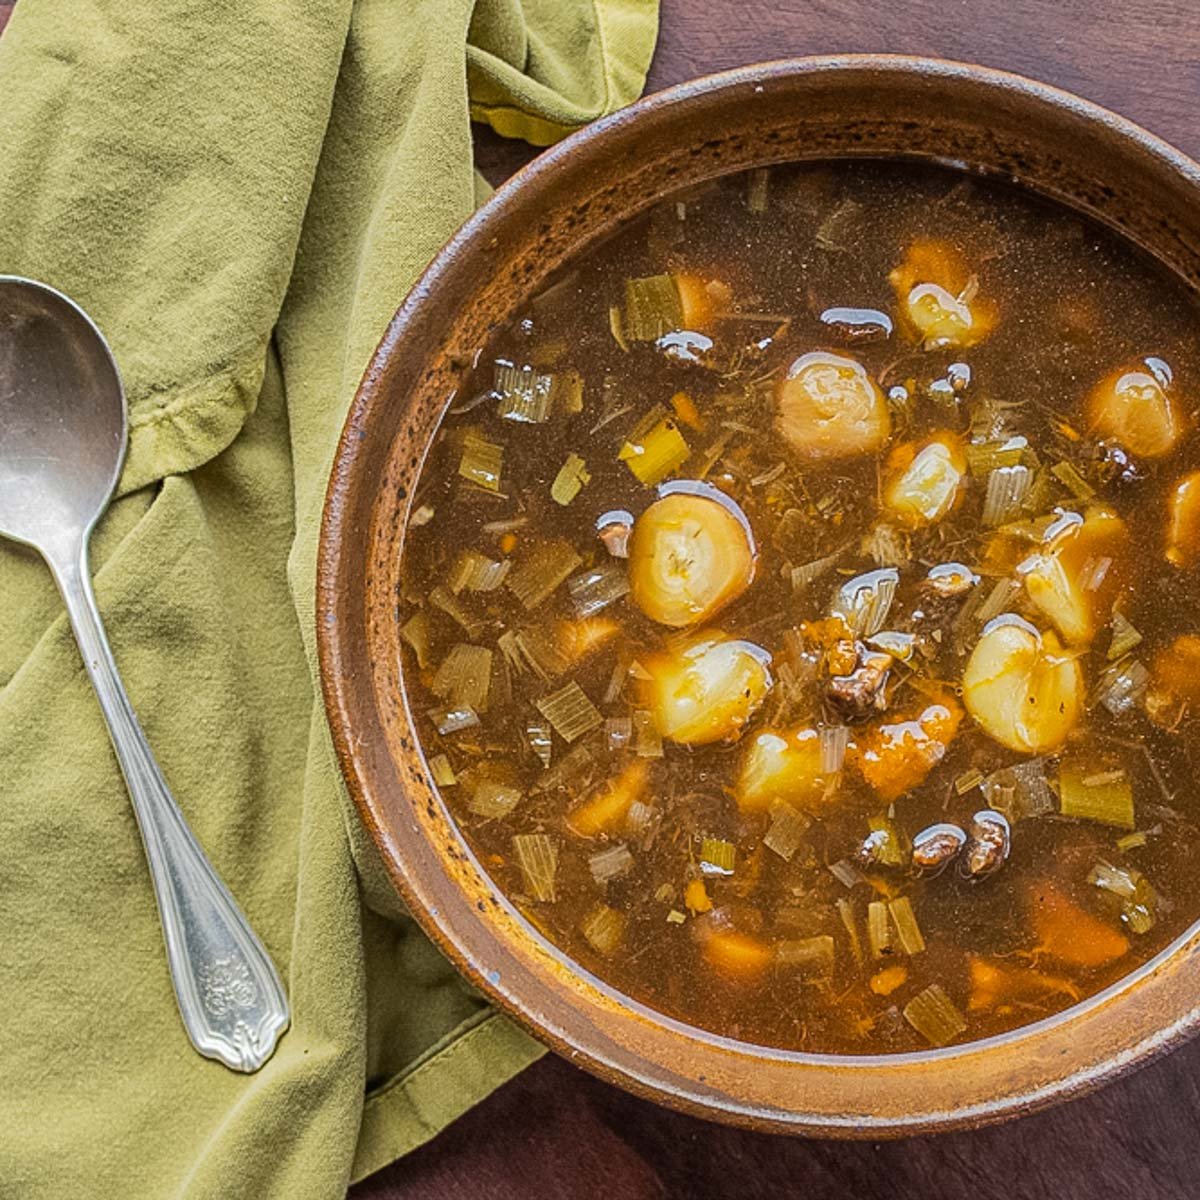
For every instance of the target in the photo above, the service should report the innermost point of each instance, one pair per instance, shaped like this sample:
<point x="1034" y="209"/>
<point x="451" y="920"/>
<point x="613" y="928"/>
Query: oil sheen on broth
<point x="800" y="615"/>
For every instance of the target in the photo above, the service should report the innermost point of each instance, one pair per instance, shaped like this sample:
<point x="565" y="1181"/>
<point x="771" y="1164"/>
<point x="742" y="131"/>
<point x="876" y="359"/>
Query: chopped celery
<point x="415" y="631"/>
<point x="576" y="767"/>
<point x="653" y="307"/>
<point x="887" y="844"/>
<point x="524" y="394"/>
<point x="1019" y="791"/>
<point x="1132" y="841"/>
<point x="647" y="739"/>
<point x="610" y="863"/>
<point x="570" y="712"/>
<point x="617" y="677"/>
<point x="543" y="652"/>
<point x="812" y="957"/>
<point x="717" y="856"/>
<point x="618" y="732"/>
<point x="1119" y="881"/>
<point x="846" y="913"/>
<point x="654" y="452"/>
<point x="500" y="694"/>
<point x="807" y="573"/>
<point x="1007" y="490"/>
<point x="442" y="598"/>
<point x="1133" y="895"/>
<point x="879" y="929"/>
<point x="639" y="818"/>
<point x="1070" y="478"/>
<point x="475" y="572"/>
<point x="1091" y="791"/>
<point x="465" y="677"/>
<point x="442" y="771"/>
<point x="757" y="184"/>
<point x="541" y="573"/>
<point x="616" y="324"/>
<point x="493" y="800"/>
<point x="1121" y="685"/>
<point x="998" y="600"/>
<point x="908" y="933"/>
<point x="1124" y="638"/>
<point x="833" y="740"/>
<point x="482" y="461"/>
<point x="524" y="649"/>
<point x="537" y="856"/>
<point x="1140" y="913"/>
<point x="537" y="735"/>
<point x="453" y="720"/>
<point x="846" y="873"/>
<point x="597" y="587"/>
<point x="967" y="781"/>
<point x="568" y="391"/>
<point x="934" y="1016"/>
<point x="675" y="917"/>
<point x="603" y="927"/>
<point x="569" y="481"/>
<point x="787" y="830"/>
<point x="864" y="601"/>
<point x="985" y="457"/>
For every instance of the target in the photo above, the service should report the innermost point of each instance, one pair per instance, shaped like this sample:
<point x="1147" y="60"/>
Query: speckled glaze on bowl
<point x="802" y="109"/>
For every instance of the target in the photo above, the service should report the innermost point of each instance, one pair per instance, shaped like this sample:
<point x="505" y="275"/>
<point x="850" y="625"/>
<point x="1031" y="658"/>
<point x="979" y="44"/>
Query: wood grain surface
<point x="555" y="1132"/>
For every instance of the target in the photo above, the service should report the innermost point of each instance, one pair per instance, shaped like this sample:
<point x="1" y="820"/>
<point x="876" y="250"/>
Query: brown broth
<point x="1074" y="302"/>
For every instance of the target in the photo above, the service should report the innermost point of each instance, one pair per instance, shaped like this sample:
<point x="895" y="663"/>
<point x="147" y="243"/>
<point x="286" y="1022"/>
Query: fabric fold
<point x="240" y="193"/>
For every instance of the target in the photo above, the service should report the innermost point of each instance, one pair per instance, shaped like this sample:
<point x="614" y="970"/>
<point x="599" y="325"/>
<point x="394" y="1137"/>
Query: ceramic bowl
<point x="578" y="191"/>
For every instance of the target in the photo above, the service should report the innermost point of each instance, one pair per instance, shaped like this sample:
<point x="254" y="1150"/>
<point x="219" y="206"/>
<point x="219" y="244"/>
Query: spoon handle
<point x="229" y="994"/>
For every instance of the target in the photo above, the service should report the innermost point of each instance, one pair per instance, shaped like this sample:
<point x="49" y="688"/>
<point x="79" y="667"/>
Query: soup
<point x="799" y="614"/>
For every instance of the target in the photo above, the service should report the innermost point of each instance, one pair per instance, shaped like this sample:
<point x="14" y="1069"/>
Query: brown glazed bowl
<point x="576" y="192"/>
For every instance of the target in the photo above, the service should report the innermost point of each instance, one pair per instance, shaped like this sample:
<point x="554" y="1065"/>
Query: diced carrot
<point x="931" y="260"/>
<point x="996" y="985"/>
<point x="885" y="982"/>
<point x="508" y="543"/>
<point x="695" y="301"/>
<point x="686" y="410"/>
<point x="895" y="756"/>
<point x="604" y="811"/>
<point x="826" y="633"/>
<point x="736" y="955"/>
<point x="1068" y="933"/>
<point x="695" y="897"/>
<point x="1176" y="668"/>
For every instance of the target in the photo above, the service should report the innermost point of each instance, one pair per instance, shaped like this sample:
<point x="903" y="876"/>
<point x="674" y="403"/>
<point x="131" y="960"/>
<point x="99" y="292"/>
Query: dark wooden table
<point x="557" y="1133"/>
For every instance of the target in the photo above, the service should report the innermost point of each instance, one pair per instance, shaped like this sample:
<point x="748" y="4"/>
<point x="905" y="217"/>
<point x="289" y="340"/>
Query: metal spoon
<point x="62" y="442"/>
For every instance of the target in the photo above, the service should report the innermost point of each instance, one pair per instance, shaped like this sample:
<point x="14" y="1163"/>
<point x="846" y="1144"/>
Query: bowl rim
<point x="338" y="685"/>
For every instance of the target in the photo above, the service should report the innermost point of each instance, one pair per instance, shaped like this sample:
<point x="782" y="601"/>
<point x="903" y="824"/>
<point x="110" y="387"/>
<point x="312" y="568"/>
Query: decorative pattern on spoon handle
<point x="229" y="994"/>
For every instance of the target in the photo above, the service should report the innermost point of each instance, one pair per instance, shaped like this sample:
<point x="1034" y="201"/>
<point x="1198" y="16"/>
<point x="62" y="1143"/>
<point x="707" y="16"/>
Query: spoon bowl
<point x="57" y="378"/>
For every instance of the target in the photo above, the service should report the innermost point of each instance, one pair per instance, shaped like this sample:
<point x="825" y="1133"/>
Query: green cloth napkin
<point x="240" y="193"/>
